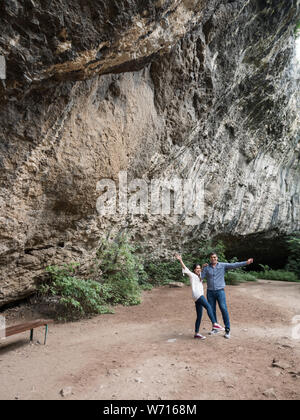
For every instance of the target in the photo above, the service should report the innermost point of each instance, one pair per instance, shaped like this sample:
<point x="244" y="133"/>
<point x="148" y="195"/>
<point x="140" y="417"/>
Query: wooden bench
<point x="26" y="326"/>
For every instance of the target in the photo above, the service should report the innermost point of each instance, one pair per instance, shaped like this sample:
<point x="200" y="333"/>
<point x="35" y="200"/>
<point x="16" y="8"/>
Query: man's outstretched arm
<point x="231" y="266"/>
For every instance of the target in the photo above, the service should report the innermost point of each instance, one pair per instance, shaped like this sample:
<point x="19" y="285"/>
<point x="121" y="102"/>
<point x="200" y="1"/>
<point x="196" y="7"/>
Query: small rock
<point x="277" y="373"/>
<point x="172" y="340"/>
<point x="176" y="284"/>
<point x="139" y="380"/>
<point x="66" y="391"/>
<point x="269" y="393"/>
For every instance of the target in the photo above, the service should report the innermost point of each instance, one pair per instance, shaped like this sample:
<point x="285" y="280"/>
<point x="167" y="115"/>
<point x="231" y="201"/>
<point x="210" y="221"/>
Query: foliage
<point x="297" y="29"/>
<point x="122" y="270"/>
<point x="293" y="243"/>
<point x="163" y="272"/>
<point x="281" y="275"/>
<point x="264" y="267"/>
<point x="236" y="277"/>
<point x="77" y="297"/>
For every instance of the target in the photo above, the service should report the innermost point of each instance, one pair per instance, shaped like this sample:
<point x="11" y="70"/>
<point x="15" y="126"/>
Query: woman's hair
<point x="195" y="266"/>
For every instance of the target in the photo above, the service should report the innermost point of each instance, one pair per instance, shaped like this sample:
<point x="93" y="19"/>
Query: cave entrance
<point x="266" y="249"/>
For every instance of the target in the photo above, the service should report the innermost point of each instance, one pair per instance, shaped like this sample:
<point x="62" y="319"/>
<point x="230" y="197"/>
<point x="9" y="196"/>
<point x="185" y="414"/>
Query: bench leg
<point x="31" y="335"/>
<point x="46" y="331"/>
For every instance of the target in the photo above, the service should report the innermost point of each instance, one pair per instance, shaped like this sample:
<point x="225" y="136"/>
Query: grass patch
<point x="280" y="275"/>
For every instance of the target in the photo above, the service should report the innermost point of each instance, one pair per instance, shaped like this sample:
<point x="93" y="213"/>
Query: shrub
<point x="235" y="277"/>
<point x="121" y="270"/>
<point x="163" y="272"/>
<point x="281" y="275"/>
<point x="76" y="297"/>
<point x="293" y="243"/>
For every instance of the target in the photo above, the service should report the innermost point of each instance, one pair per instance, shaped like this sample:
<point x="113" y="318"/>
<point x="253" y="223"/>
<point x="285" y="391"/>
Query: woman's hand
<point x="178" y="257"/>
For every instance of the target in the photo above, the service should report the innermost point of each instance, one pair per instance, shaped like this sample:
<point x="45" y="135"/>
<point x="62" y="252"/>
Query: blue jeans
<point x="199" y="309"/>
<point x="214" y="296"/>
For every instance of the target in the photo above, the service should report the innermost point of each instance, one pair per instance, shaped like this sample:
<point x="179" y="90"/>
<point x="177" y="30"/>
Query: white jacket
<point x="196" y="283"/>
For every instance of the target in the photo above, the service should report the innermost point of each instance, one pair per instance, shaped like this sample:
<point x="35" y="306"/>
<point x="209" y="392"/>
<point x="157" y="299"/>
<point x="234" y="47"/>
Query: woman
<point x="198" y="296"/>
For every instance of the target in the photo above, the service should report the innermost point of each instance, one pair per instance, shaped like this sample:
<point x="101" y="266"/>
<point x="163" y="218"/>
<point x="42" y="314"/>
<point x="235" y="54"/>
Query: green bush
<point x="293" y="243"/>
<point x="235" y="277"/>
<point x="76" y="297"/>
<point x="121" y="270"/>
<point x="281" y="275"/>
<point x="163" y="272"/>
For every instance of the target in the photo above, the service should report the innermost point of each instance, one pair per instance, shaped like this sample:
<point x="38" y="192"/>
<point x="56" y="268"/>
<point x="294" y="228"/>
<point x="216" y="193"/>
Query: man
<point x="214" y="274"/>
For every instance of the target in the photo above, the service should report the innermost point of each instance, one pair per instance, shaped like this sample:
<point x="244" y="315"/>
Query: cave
<point x="263" y="248"/>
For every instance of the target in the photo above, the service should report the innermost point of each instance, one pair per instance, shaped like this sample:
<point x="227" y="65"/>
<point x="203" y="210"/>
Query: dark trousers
<point x="214" y="296"/>
<point x="200" y="303"/>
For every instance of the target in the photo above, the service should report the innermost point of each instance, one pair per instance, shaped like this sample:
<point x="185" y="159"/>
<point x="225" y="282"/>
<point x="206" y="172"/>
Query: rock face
<point x="199" y="90"/>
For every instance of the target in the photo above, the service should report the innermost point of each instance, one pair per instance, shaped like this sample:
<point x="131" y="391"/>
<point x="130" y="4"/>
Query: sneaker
<point x="214" y="332"/>
<point x="227" y="335"/>
<point x="199" y="336"/>
<point x="218" y="327"/>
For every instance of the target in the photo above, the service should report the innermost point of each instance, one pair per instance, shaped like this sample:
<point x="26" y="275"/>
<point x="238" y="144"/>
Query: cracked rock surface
<point x="200" y="90"/>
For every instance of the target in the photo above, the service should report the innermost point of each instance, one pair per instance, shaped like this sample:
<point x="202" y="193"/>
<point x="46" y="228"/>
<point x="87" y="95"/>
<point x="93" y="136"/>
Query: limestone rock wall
<point x="176" y="88"/>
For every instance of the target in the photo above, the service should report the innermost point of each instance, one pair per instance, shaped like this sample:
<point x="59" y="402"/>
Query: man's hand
<point x="250" y="261"/>
<point x="204" y="265"/>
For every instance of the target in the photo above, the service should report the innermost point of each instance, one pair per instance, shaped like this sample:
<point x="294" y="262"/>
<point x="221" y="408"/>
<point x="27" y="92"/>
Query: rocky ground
<point x="148" y="351"/>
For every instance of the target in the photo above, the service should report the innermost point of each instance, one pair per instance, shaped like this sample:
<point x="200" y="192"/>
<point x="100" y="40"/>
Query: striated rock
<point x="176" y="88"/>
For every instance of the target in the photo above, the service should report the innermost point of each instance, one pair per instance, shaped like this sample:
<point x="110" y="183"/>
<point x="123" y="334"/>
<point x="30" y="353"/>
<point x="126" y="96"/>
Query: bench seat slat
<point x="16" y="329"/>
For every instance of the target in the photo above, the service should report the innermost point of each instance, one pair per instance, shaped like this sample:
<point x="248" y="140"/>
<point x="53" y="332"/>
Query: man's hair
<point x="212" y="253"/>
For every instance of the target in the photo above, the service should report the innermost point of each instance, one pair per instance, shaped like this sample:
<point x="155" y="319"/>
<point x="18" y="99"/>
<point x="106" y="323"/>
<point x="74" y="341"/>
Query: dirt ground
<point x="148" y="351"/>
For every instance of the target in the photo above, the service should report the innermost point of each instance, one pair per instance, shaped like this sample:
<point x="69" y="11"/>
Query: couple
<point x="214" y="274"/>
